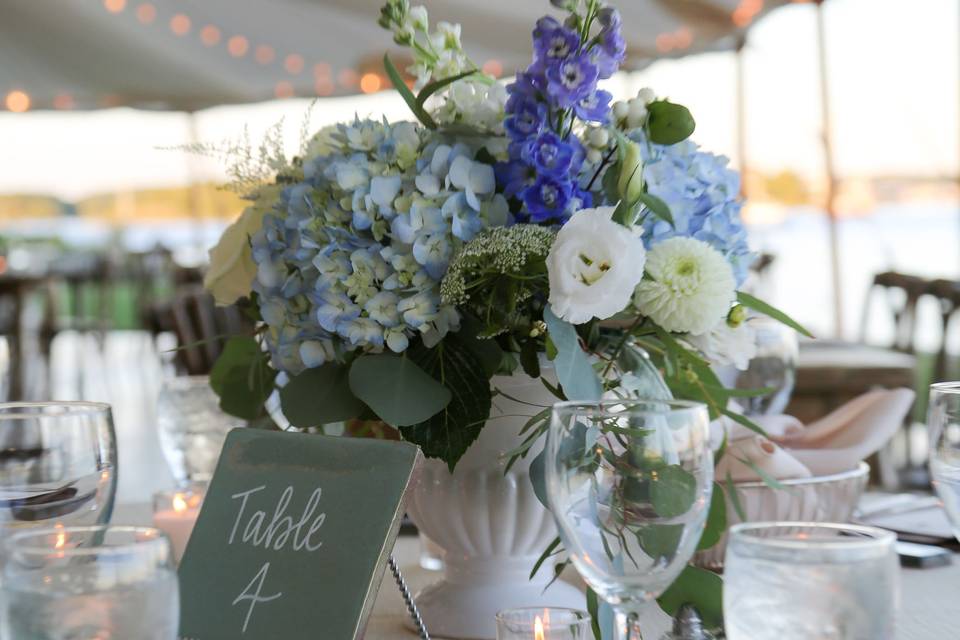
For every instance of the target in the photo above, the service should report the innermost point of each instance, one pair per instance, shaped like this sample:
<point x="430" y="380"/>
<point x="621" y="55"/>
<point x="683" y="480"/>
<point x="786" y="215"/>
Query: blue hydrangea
<point x="703" y="194"/>
<point x="353" y="252"/>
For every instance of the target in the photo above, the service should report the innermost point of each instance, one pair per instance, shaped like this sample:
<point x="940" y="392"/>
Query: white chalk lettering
<point x="255" y="598"/>
<point x="281" y="530"/>
<point x="243" y="505"/>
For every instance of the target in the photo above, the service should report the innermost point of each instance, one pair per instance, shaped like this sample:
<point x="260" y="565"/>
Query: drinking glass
<point x="58" y="464"/>
<point x="89" y="582"/>
<point x="553" y="623"/>
<point x="629" y="484"/>
<point x="810" y="581"/>
<point x="943" y="420"/>
<point x="192" y="427"/>
<point x="774" y="367"/>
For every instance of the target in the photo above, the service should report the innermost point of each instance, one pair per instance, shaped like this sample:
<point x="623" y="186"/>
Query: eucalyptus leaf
<point x="756" y="304"/>
<point x="716" y="519"/>
<point x="669" y="123"/>
<point x="320" y="396"/>
<point x="673" y="491"/>
<point x="242" y="378"/>
<point x="593" y="608"/>
<point x="699" y="587"/>
<point x="735" y="498"/>
<point x="396" y="389"/>
<point x="530" y="359"/>
<point x="551" y="550"/>
<point x="487" y="351"/>
<point x="538" y="477"/>
<point x="768" y="479"/>
<point x="577" y="377"/>
<point x="660" y="541"/>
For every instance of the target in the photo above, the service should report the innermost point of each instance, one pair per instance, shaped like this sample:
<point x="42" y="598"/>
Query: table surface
<point x="930" y="608"/>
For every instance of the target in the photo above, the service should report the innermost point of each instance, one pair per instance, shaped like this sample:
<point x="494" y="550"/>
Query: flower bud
<point x="598" y="138"/>
<point x="736" y="316"/>
<point x="630" y="182"/>
<point x="620" y="110"/>
<point x="418" y="18"/>
<point x="646" y="95"/>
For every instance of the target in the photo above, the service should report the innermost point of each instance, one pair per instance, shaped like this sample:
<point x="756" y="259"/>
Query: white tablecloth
<point x="930" y="608"/>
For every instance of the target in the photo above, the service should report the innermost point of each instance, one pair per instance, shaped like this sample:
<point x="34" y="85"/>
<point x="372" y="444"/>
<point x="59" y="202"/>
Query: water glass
<point x="810" y="581"/>
<point x="943" y="421"/>
<point x="58" y="464"/>
<point x="102" y="582"/>
<point x="192" y="427"/>
<point x="774" y="367"/>
<point x="629" y="484"/>
<point x="544" y="624"/>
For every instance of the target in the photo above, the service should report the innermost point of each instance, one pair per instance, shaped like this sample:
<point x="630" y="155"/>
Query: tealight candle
<point x="175" y="513"/>
<point x="543" y="624"/>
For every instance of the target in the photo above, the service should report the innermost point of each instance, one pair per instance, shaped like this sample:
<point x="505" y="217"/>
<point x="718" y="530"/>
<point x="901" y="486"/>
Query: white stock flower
<point x="417" y="18"/>
<point x="691" y="286"/>
<point x="593" y="266"/>
<point x="725" y="345"/>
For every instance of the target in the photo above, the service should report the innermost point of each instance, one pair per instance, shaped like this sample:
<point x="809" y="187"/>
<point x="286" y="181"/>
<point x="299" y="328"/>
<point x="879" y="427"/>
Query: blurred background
<point x="842" y="115"/>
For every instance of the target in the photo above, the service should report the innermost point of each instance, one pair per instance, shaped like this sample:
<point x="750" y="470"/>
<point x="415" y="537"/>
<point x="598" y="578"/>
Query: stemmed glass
<point x="629" y="484"/>
<point x="89" y="582"/>
<point x="943" y="420"/>
<point x="773" y="367"/>
<point x="58" y="464"/>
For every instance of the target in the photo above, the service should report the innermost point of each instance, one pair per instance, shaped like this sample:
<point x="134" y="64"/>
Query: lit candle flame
<point x="179" y="503"/>
<point x="61" y="540"/>
<point x="538" y="629"/>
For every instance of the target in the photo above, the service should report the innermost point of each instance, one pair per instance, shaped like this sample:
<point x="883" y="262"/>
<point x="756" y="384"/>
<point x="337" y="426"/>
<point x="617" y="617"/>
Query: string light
<point x="746" y="11"/>
<point x="63" y="101"/>
<point x="324" y="87"/>
<point x="683" y="38"/>
<point x="180" y="24"/>
<point x="347" y="78"/>
<point x="264" y="54"/>
<point x="321" y="70"/>
<point x="114" y="6"/>
<point x="17" y="101"/>
<point x="238" y="46"/>
<point x="293" y="64"/>
<point x="370" y="83"/>
<point x="283" y="89"/>
<point x="493" y="68"/>
<point x="146" y="13"/>
<point x="665" y="42"/>
<point x="210" y="35"/>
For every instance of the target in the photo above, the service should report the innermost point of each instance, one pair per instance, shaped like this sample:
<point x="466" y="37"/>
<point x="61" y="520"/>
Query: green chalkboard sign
<point x="293" y="537"/>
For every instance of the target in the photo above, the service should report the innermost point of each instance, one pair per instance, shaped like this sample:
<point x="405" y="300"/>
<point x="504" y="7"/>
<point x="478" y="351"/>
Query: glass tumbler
<point x="544" y="624"/>
<point x="58" y="464"/>
<point x="102" y="582"/>
<point x="943" y="422"/>
<point x="810" y="581"/>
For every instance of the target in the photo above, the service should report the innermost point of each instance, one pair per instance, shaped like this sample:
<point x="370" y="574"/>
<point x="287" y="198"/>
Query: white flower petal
<point x="460" y="172"/>
<point x="482" y="180"/>
<point x="383" y="189"/>
<point x="429" y="185"/>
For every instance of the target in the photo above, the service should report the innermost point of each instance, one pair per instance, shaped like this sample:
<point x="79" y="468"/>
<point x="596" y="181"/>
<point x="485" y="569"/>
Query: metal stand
<point x="408" y="599"/>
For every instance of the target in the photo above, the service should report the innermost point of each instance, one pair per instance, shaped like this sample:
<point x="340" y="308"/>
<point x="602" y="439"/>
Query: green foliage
<point x="716" y="519"/>
<point x="669" y="123"/>
<point x="756" y="304"/>
<point x="699" y="587"/>
<point x="437" y="85"/>
<point x="448" y="433"/>
<point x="673" y="490"/>
<point x="320" y="396"/>
<point x="397" y="80"/>
<point x="660" y="540"/>
<point x="242" y="377"/>
<point x="577" y="377"/>
<point x="396" y="389"/>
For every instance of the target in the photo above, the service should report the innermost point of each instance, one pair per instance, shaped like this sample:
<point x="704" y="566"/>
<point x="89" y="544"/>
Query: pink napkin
<point x="833" y="444"/>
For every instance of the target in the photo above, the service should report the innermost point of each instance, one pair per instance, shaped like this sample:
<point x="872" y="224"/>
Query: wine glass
<point x="89" y="582"/>
<point x="774" y="367"/>
<point x="943" y="420"/>
<point x="58" y="464"/>
<point x="629" y="484"/>
<point x="192" y="427"/>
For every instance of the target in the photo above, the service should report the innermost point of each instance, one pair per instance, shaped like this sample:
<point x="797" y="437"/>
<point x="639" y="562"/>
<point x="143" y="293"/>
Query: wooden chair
<point x="902" y="293"/>
<point x="947" y="293"/>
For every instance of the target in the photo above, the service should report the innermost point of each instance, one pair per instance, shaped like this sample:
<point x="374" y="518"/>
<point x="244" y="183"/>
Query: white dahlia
<point x="691" y="286"/>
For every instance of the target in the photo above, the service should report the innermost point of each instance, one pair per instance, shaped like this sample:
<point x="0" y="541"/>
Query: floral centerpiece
<point x="393" y="269"/>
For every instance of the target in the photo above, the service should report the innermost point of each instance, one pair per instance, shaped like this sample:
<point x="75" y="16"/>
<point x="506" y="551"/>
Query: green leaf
<point x="657" y="207"/>
<point x="756" y="304"/>
<point x="320" y="396"/>
<point x="609" y="182"/>
<point x="673" y="491"/>
<point x="449" y="433"/>
<point x="699" y="587"/>
<point x="437" y="85"/>
<point x="538" y="477"/>
<point x="577" y="377"/>
<point x="669" y="123"/>
<point x="660" y="541"/>
<point x="396" y="389"/>
<point x="739" y="418"/>
<point x="716" y="519"/>
<point x="487" y="351"/>
<point x="768" y="479"/>
<point x="406" y="94"/>
<point x="593" y="608"/>
<point x="242" y="378"/>
<point x="735" y="498"/>
<point x="551" y="550"/>
<point x="530" y="359"/>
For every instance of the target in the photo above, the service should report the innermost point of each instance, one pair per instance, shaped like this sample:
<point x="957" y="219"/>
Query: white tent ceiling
<point x="191" y="54"/>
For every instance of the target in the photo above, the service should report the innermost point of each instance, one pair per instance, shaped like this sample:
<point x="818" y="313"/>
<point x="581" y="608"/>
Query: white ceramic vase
<point x="489" y="524"/>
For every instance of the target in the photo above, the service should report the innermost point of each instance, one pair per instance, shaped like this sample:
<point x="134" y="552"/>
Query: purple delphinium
<point x="557" y="89"/>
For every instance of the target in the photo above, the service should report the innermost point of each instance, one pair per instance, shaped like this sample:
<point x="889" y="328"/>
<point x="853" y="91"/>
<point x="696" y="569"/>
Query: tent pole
<point x="742" y="112"/>
<point x="831" y="176"/>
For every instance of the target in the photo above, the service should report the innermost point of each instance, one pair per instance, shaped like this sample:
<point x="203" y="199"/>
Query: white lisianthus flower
<point x="725" y="345"/>
<point x="691" y="286"/>
<point x="593" y="266"/>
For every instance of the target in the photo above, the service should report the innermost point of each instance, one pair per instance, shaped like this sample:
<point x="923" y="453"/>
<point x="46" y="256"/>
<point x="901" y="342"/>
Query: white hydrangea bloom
<point x="691" y="286"/>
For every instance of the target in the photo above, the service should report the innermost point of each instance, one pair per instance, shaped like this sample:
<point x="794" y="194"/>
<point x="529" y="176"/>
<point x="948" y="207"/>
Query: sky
<point x="894" y="68"/>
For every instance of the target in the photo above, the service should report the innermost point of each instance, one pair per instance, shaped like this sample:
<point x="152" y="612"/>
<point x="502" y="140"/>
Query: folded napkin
<point x="834" y="444"/>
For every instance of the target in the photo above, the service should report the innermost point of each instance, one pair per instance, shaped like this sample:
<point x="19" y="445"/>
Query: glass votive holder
<point x="535" y="623"/>
<point x="175" y="513"/>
